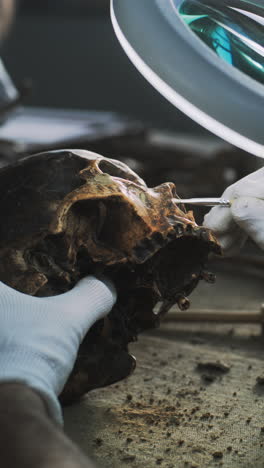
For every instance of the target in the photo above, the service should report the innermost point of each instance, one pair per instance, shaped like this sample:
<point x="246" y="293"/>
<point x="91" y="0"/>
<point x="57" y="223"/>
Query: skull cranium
<point x="69" y="213"/>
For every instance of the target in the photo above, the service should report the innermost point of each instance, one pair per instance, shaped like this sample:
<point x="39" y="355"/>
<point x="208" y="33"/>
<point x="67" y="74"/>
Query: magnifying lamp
<point x="205" y="57"/>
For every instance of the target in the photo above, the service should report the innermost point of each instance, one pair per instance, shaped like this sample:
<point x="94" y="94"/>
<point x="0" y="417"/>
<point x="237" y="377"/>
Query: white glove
<point x="244" y="219"/>
<point x="40" y="337"/>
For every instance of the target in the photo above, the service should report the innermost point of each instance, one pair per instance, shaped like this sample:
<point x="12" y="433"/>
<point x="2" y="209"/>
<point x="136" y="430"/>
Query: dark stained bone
<point x="66" y="214"/>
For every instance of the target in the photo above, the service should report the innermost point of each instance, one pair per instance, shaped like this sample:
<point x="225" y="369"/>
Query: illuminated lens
<point x="232" y="29"/>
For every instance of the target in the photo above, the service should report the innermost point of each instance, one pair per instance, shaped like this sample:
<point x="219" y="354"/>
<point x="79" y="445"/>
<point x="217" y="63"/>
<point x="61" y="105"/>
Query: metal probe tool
<point x="204" y="201"/>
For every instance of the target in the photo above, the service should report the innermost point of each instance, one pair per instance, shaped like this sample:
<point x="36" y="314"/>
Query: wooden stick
<point x="217" y="316"/>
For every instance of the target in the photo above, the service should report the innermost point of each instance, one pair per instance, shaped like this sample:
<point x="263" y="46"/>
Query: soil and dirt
<point x="195" y="399"/>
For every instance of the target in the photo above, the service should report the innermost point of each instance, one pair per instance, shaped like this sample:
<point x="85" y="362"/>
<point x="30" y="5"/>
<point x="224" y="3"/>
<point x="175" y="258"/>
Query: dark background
<point x="69" y="51"/>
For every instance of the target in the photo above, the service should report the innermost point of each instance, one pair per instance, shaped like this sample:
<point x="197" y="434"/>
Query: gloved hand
<point x="244" y="219"/>
<point x="40" y="337"/>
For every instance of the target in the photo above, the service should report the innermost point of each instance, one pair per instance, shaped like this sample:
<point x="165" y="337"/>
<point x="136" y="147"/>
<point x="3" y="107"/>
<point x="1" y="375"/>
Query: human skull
<point x="66" y="214"/>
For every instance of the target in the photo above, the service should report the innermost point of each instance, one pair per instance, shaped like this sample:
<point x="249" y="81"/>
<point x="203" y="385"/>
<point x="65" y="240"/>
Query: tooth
<point x="208" y="277"/>
<point x="183" y="303"/>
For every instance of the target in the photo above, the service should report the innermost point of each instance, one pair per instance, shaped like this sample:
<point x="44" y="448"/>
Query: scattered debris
<point x="213" y="366"/>
<point x="129" y="458"/>
<point x="98" y="441"/>
<point x="197" y="341"/>
<point x="218" y="454"/>
<point x="208" y="378"/>
<point x="192" y="424"/>
<point x="206" y="416"/>
<point x="260" y="379"/>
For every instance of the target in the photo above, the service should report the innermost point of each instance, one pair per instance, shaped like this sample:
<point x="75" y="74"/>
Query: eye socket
<point x="111" y="222"/>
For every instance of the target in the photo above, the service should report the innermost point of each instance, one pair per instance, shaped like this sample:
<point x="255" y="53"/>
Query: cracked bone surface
<point x="66" y="214"/>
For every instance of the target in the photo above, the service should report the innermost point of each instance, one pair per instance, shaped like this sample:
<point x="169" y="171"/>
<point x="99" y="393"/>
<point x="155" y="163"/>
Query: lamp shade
<point x="205" y="57"/>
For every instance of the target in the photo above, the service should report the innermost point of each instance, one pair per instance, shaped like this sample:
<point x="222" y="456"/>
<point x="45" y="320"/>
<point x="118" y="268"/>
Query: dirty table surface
<point x="175" y="410"/>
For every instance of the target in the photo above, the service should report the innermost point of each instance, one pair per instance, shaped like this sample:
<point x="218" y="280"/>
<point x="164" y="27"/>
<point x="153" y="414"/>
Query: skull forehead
<point x="68" y="193"/>
<point x="111" y="166"/>
<point x="32" y="189"/>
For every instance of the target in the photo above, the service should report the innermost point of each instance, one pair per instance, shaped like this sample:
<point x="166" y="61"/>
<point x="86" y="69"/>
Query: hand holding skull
<point x="40" y="337"/>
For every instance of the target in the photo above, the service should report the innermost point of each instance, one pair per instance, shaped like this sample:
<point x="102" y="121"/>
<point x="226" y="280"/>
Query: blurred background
<point x="68" y="52"/>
